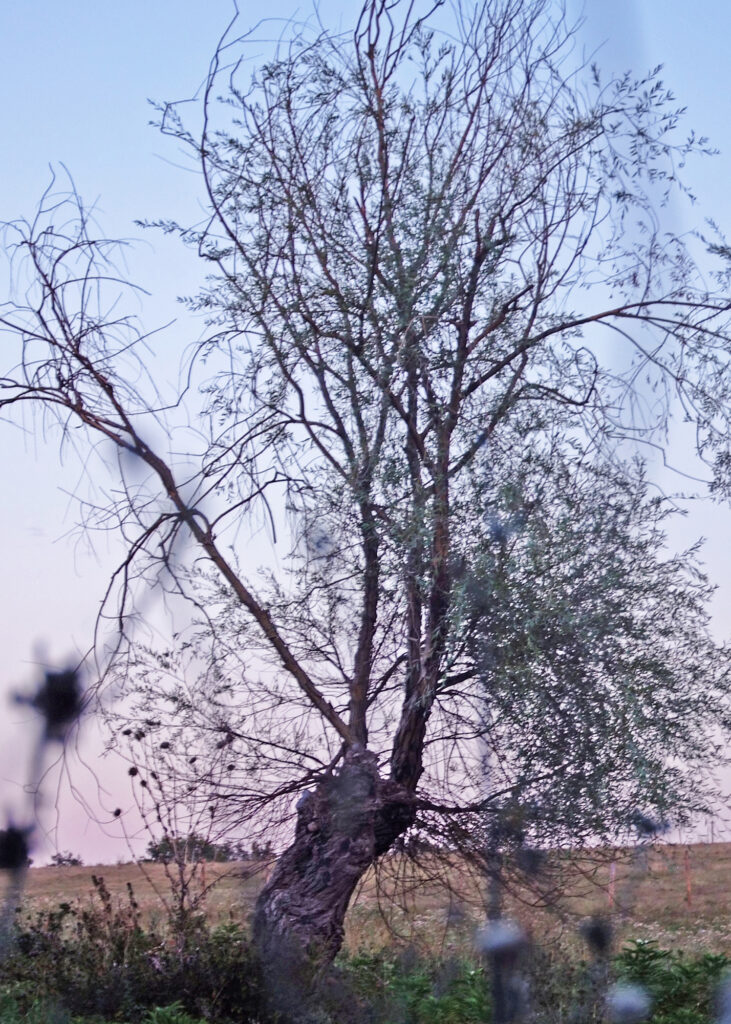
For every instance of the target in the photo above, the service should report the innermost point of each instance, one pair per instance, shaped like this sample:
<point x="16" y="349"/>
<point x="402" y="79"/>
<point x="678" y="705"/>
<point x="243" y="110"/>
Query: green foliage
<point x="16" y="1010"/>
<point x="682" y="987"/>
<point x="101" y="962"/>
<point x="172" y="1014"/>
<point x="190" y="849"/>
<point x="193" y="848"/>
<point x="96" y="966"/>
<point x="417" y="990"/>
<point x="591" y="639"/>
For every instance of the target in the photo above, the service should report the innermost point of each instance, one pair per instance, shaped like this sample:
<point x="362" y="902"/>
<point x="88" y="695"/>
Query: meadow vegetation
<point x="95" y="945"/>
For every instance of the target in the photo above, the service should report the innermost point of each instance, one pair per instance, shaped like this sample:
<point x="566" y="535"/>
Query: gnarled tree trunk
<point x="351" y="818"/>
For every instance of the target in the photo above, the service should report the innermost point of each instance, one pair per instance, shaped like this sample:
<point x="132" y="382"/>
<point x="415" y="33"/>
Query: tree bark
<point x="350" y="819"/>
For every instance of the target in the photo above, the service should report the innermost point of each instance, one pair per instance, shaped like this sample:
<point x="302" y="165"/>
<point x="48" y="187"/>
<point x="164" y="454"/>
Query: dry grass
<point x="650" y="900"/>
<point x="231" y="888"/>
<point x="650" y="897"/>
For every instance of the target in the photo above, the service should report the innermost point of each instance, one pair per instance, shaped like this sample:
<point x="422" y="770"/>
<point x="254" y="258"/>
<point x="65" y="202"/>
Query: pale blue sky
<point x="75" y="79"/>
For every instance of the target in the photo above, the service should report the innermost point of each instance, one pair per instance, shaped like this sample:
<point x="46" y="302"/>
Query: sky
<point x="75" y="82"/>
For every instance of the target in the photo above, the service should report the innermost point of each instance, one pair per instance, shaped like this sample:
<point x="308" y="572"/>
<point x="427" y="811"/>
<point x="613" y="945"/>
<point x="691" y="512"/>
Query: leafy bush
<point x="101" y="962"/>
<point x="64" y="859"/>
<point x="406" y="987"/>
<point x="173" y="1014"/>
<point x="682" y="987"/>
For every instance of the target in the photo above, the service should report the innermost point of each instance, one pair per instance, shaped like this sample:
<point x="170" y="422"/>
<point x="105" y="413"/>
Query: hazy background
<point x="75" y="80"/>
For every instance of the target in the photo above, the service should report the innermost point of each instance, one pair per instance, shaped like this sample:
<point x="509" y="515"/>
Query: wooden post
<point x="686" y="866"/>
<point x="612" y="881"/>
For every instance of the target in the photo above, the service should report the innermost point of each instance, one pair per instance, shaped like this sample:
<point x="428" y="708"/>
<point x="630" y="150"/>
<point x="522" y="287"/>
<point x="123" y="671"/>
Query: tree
<point x="191" y="848"/>
<point x="199" y="848"/>
<point x="65" y="859"/>
<point x="442" y="302"/>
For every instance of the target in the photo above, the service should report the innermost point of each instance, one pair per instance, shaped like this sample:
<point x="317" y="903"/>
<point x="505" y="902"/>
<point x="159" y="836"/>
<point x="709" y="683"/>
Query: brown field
<point x="651" y="898"/>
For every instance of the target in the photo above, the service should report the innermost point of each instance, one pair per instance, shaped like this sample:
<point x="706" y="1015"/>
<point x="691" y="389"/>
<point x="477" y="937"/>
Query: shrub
<point x="409" y="988"/>
<point x="101" y="962"/>
<point x="66" y="859"/>
<point x="682" y="987"/>
<point x="173" y="1014"/>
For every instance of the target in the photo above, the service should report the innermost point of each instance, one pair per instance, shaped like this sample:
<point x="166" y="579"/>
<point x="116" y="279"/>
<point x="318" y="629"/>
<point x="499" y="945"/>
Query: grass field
<point x="651" y="898"/>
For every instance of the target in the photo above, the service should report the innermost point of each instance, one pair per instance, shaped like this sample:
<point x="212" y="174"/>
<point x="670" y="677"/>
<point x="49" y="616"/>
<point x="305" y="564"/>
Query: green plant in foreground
<point x="100" y="963"/>
<point x="65" y="972"/>
<point x="409" y="988"/>
<point x="175" y="1013"/>
<point x="682" y="987"/>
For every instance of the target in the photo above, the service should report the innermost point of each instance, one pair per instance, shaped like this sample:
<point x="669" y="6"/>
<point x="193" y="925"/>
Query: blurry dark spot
<point x="529" y="860"/>
<point x="229" y="767"/>
<point x="501" y="939"/>
<point x="59" y="701"/>
<point x="165" y="746"/>
<point x="455" y="914"/>
<point x="143" y="783"/>
<point x="126" y="732"/>
<point x="598" y="933"/>
<point x="192" y="760"/>
<point x="13" y="848"/>
<point x="647" y="826"/>
<point x="117" y="812"/>
<point x="140" y="735"/>
<point x="497" y="532"/>
<point x="133" y="771"/>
